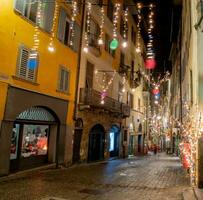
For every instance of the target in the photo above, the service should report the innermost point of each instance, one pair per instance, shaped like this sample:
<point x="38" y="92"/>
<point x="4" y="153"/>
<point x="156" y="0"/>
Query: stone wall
<point x="91" y="118"/>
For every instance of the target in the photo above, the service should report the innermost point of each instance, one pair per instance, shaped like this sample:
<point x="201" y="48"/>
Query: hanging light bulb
<point x="100" y="41"/>
<point x="124" y="44"/>
<point x="85" y="49"/>
<point x="51" y="48"/>
<point x="138" y="50"/>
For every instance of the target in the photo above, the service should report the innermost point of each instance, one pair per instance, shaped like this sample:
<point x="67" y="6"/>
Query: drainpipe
<point x="181" y="95"/>
<point x="79" y="61"/>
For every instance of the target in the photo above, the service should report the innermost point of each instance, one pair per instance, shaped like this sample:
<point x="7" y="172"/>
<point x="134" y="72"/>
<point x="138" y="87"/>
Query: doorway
<point x="114" y="140"/>
<point x="76" y="145"/>
<point x="96" y="143"/>
<point x="132" y="145"/>
<point x="139" y="143"/>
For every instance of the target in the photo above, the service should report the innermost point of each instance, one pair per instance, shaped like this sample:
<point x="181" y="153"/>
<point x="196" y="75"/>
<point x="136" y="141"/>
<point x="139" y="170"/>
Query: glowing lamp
<point x="150" y="63"/>
<point x="114" y="44"/>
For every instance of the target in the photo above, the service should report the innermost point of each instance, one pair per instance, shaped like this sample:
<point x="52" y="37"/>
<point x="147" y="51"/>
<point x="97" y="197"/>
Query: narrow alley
<point x="156" y="177"/>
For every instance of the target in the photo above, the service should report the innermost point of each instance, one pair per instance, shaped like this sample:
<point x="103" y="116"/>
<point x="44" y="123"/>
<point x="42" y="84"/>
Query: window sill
<point x="63" y="92"/>
<point x="24" y="80"/>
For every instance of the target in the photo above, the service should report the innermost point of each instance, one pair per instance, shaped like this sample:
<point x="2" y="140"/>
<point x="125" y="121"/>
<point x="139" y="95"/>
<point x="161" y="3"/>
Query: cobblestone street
<point x="150" y="177"/>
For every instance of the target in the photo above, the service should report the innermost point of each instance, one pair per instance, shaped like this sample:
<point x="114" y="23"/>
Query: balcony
<point x="91" y="98"/>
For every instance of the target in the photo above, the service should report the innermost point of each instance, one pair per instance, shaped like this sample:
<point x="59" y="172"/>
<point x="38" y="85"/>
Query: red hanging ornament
<point x="155" y="91"/>
<point x="150" y="63"/>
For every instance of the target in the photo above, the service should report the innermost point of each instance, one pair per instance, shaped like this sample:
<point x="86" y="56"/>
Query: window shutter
<point x="76" y="40"/>
<point x="89" y="75"/>
<point x="61" y="79"/>
<point x="61" y="25"/>
<point x="66" y="81"/>
<point x="48" y="16"/>
<point x="22" y="68"/>
<point x="23" y="71"/>
<point x="19" y="6"/>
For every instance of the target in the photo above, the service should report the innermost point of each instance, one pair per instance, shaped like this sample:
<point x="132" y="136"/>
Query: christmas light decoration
<point x="104" y="84"/>
<point x="150" y="50"/>
<point x="114" y="43"/>
<point x="53" y="30"/>
<point x="150" y="63"/>
<point x="100" y="40"/>
<point x="125" y="28"/>
<point x="32" y="59"/>
<point x="155" y="91"/>
<point x="73" y="18"/>
<point x="86" y="46"/>
<point x="138" y="44"/>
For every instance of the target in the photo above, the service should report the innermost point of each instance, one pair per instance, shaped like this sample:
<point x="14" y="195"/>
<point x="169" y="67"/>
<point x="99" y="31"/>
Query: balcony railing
<point x="92" y="98"/>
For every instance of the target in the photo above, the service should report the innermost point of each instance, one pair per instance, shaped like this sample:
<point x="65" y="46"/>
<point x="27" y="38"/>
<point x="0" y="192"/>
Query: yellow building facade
<point x="47" y="90"/>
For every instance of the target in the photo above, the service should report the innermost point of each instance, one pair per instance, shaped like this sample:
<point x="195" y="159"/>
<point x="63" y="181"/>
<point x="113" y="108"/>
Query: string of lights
<point x="100" y="40"/>
<point x="73" y="18"/>
<point x="86" y="46"/>
<point x="125" y="27"/>
<point x="104" y="84"/>
<point x="34" y="54"/>
<point x="53" y="30"/>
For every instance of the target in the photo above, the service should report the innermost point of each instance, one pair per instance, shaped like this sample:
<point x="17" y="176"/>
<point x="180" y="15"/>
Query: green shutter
<point x="48" y="15"/>
<point x="76" y="39"/>
<point x="62" y="25"/>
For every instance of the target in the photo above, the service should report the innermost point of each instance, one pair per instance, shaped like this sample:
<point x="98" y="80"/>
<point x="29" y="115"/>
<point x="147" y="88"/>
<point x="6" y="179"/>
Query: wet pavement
<point x="158" y="177"/>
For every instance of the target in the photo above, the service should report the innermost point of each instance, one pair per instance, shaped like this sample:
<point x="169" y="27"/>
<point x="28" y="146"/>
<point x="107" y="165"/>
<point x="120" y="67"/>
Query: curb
<point x="24" y="173"/>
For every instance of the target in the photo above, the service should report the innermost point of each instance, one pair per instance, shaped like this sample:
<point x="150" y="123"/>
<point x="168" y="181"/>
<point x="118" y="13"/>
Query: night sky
<point x="166" y="18"/>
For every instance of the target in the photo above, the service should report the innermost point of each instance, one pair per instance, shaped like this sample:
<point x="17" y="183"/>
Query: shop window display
<point x="34" y="140"/>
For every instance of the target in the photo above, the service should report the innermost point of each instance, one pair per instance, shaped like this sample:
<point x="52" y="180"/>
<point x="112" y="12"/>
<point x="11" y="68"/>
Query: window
<point x="89" y="74"/>
<point x="131" y="103"/>
<point x="110" y="9"/>
<point x="122" y="59"/>
<point x="64" y="31"/>
<point x="132" y="71"/>
<point x="34" y="140"/>
<point x="22" y="70"/>
<point x="94" y="34"/>
<point x="139" y="106"/>
<point x="28" y="8"/>
<point x="107" y="46"/>
<point x="64" y="79"/>
<point x="122" y="28"/>
<point x="133" y="35"/>
<point x="120" y="91"/>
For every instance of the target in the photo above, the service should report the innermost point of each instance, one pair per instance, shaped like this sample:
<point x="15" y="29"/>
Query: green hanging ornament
<point x="114" y="44"/>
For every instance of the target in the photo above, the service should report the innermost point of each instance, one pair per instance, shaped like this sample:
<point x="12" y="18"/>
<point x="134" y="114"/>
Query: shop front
<point x="33" y="131"/>
<point x="30" y="138"/>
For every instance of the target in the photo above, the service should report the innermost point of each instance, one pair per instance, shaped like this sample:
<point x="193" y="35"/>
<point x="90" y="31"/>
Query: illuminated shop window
<point x="34" y="140"/>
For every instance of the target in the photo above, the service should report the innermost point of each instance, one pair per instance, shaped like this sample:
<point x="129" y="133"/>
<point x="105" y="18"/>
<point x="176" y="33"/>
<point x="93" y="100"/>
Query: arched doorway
<point x="96" y="143"/>
<point x="114" y="140"/>
<point x="31" y="138"/>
